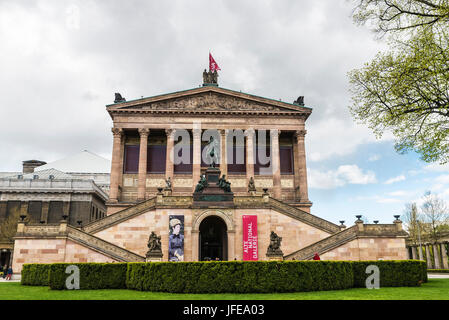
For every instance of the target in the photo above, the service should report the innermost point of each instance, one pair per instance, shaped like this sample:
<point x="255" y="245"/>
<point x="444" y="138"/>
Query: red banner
<point x="212" y="64"/>
<point x="250" y="249"/>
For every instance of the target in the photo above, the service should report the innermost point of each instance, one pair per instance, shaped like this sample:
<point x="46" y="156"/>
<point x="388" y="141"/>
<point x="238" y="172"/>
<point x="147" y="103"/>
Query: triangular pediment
<point x="208" y="99"/>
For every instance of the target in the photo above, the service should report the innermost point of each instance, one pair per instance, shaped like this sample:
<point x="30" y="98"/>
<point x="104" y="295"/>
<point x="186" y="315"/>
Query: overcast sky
<point x="62" y="61"/>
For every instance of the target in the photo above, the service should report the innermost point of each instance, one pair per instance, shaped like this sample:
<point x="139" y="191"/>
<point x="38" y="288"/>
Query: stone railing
<point x="120" y="216"/>
<point x="304" y="216"/>
<point x="249" y="202"/>
<point x="381" y="230"/>
<point x="41" y="230"/>
<point x="177" y="201"/>
<point x="104" y="247"/>
<point x="324" y="245"/>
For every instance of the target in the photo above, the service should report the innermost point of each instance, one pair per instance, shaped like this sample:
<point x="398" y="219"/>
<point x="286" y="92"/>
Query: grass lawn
<point x="434" y="289"/>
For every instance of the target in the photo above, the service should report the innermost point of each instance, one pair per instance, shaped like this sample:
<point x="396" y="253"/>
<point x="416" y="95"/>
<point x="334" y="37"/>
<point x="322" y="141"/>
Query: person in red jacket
<point x="316" y="256"/>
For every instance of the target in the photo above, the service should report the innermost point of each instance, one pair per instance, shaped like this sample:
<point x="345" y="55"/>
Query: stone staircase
<point x="104" y="247"/>
<point x="120" y="216"/>
<point x="303" y="216"/>
<point x="329" y="243"/>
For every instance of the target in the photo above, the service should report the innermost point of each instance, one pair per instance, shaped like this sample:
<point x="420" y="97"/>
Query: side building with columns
<point x="213" y="174"/>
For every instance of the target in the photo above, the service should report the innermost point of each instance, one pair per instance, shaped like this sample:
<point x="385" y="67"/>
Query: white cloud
<point x="399" y="193"/>
<point x="435" y="167"/>
<point x="374" y="157"/>
<point x="345" y="174"/>
<point x="395" y="179"/>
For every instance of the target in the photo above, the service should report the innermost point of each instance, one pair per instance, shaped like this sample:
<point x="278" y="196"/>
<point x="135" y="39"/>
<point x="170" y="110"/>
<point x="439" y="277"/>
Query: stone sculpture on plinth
<point x="155" y="248"/>
<point x="274" y="251"/>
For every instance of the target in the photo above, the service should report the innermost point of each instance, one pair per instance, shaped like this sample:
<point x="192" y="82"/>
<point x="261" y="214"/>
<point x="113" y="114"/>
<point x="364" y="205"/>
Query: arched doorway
<point x="213" y="239"/>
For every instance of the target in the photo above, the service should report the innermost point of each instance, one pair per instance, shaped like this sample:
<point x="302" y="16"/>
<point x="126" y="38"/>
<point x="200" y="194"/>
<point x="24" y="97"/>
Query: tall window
<point x="131" y="159"/>
<point x="236" y="157"/>
<point x="35" y="210"/>
<point x="55" y="212"/>
<point x="262" y="164"/>
<point x="156" y="157"/>
<point x="286" y="158"/>
<point x="183" y="168"/>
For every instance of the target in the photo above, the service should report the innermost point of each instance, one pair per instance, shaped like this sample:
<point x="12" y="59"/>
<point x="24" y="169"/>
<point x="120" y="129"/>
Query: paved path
<point x="438" y="276"/>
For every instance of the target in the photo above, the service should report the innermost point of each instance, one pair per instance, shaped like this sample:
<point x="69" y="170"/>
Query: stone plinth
<point x="154" y="256"/>
<point x="212" y="195"/>
<point x="275" y="256"/>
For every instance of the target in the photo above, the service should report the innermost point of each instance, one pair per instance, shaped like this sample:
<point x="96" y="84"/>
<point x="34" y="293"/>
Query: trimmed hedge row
<point x="438" y="270"/>
<point x="228" y="276"/>
<point x="92" y="275"/>
<point x="393" y="273"/>
<point x="35" y="274"/>
<point x="240" y="277"/>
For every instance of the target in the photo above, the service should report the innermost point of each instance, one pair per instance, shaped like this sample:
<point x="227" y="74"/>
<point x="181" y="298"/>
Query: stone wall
<point x="369" y="249"/>
<point x="52" y="250"/>
<point x="133" y="234"/>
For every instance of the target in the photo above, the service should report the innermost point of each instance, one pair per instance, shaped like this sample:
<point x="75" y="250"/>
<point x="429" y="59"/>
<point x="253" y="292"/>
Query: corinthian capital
<point x="275" y="133"/>
<point x="144" y="132"/>
<point x="300" y="133"/>
<point x="170" y="133"/>
<point x="117" y="132"/>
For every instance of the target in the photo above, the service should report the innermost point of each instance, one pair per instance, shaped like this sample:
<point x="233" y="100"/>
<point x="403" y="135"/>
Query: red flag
<point x="212" y="64"/>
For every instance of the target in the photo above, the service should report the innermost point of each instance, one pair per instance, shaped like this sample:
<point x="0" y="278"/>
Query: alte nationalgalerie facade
<point x="230" y="209"/>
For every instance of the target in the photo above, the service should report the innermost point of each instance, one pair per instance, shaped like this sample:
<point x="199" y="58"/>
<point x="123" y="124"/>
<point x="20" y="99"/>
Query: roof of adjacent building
<point x="83" y="162"/>
<point x="48" y="174"/>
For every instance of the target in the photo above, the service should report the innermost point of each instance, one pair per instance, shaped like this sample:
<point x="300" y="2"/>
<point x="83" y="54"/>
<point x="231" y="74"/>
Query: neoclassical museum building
<point x="207" y="174"/>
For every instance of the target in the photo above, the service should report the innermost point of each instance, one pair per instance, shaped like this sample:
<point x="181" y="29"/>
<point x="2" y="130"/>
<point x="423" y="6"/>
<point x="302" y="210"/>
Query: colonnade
<point x="300" y="172"/>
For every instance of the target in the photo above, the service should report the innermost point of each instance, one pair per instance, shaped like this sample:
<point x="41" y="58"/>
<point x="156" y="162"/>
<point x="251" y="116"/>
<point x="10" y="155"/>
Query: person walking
<point x="4" y="271"/>
<point x="9" y="275"/>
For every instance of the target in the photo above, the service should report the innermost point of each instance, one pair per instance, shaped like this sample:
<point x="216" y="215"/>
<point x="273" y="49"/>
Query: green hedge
<point x="35" y="274"/>
<point x="228" y="276"/>
<point x="393" y="273"/>
<point x="240" y="277"/>
<point x="92" y="275"/>
<point x="438" y="270"/>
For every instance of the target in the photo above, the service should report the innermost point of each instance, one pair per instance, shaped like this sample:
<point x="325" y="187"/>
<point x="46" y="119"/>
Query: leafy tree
<point x="412" y="218"/>
<point x="8" y="227"/>
<point x="435" y="215"/>
<point x="406" y="89"/>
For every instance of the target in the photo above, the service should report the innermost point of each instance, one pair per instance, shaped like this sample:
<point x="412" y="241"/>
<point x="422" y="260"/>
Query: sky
<point x="62" y="61"/>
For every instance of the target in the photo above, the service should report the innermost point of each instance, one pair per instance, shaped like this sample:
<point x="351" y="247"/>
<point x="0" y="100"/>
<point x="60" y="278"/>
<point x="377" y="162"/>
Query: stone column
<point x="195" y="243"/>
<point x="428" y="257"/>
<point x="169" y="166"/>
<point x="115" y="164"/>
<point x="44" y="213"/>
<point x="420" y="253"/>
<point x="249" y="133"/>
<point x="444" y="256"/>
<point x="223" y="152"/>
<point x="301" y="164"/>
<point x="196" y="171"/>
<point x="414" y="253"/>
<point x="436" y="256"/>
<point x="231" y="245"/>
<point x="66" y="210"/>
<point x="276" y="163"/>
<point x="24" y="208"/>
<point x="142" y="176"/>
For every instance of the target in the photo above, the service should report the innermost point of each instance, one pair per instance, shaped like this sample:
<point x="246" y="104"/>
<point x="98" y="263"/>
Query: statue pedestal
<point x="212" y="195"/>
<point x="275" y="256"/>
<point x="155" y="256"/>
<point x="167" y="192"/>
<point x="252" y="193"/>
<point x="148" y="259"/>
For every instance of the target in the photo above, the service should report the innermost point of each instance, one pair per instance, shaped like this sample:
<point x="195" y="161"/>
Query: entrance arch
<point x="213" y="239"/>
